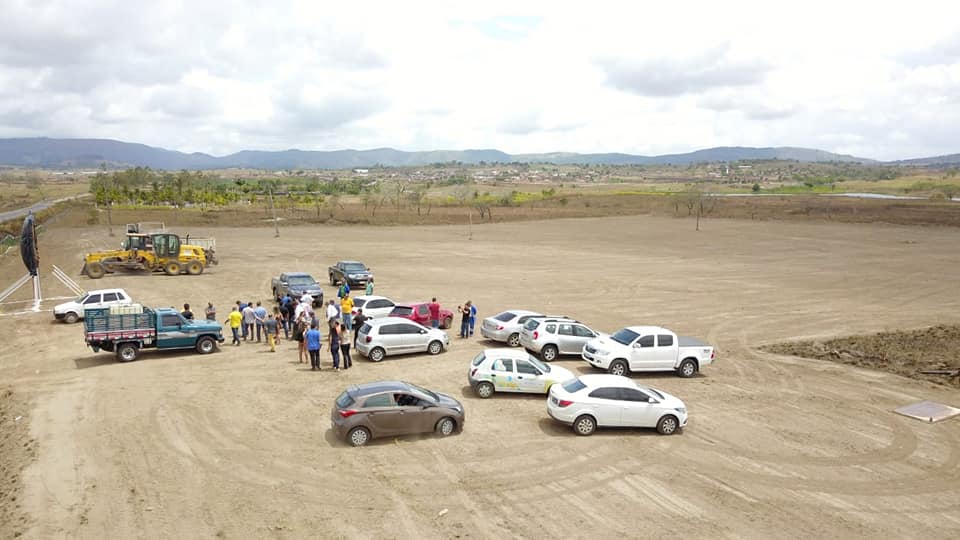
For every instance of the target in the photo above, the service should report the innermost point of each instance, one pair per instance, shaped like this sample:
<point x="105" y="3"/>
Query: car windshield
<point x="505" y="316"/>
<point x="81" y="298"/>
<point x="624" y="336"/>
<point x="573" y="385"/>
<point x="424" y="391"/>
<point x="300" y="280"/>
<point x="401" y="311"/>
<point x="654" y="392"/>
<point x="540" y="365"/>
<point x="354" y="268"/>
<point x="477" y="359"/>
<point x="344" y="401"/>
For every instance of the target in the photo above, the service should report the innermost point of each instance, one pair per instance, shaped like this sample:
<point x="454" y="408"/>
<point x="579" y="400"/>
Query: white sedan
<point x="510" y="370"/>
<point x="613" y="400"/>
<point x="373" y="306"/>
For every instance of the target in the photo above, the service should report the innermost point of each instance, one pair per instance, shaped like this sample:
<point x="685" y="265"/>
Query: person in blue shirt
<point x="343" y="290"/>
<point x="473" y="316"/>
<point x="260" y="314"/>
<point x="312" y="337"/>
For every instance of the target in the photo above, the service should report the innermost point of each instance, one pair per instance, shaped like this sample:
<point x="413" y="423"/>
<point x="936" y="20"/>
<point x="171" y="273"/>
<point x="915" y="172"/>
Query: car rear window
<point x="573" y="385"/>
<point x="359" y="302"/>
<point x="505" y="316"/>
<point x="345" y="400"/>
<point x="477" y="359"/>
<point x="401" y="311"/>
<point x="532" y="324"/>
<point x="365" y="329"/>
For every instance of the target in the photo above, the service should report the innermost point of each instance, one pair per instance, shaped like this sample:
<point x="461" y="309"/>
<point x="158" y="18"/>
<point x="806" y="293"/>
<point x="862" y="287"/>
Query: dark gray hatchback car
<point x="392" y="408"/>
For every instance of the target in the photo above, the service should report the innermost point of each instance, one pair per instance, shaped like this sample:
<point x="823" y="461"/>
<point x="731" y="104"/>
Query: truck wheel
<point x="206" y="345"/>
<point x="71" y="318"/>
<point x="687" y="369"/>
<point x="376" y="354"/>
<point x="618" y="367"/>
<point x="172" y="268"/>
<point x="447" y="323"/>
<point x="549" y="353"/>
<point x="194" y="268"/>
<point x="95" y="270"/>
<point x="126" y="352"/>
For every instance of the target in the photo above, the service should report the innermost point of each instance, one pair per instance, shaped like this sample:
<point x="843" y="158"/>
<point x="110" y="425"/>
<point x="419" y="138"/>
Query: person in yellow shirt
<point x="346" y="309"/>
<point x="234" y="320"/>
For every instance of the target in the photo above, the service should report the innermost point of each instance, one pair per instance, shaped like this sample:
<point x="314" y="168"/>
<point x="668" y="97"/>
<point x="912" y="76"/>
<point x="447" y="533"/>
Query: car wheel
<point x="376" y="354"/>
<point x="71" y="318"/>
<point x="618" y="367"/>
<point x="127" y="352"/>
<point x="668" y="425"/>
<point x="206" y="345"/>
<point x="172" y="268"/>
<point x="447" y="323"/>
<point x="446" y="426"/>
<point x="549" y="353"/>
<point x="584" y="425"/>
<point x="95" y="270"/>
<point x="435" y="347"/>
<point x="485" y="390"/>
<point x="514" y="340"/>
<point x="687" y="369"/>
<point x="358" y="436"/>
<point x="194" y="268"/>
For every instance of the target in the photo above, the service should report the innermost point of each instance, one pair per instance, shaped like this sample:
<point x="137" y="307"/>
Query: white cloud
<point x="856" y="77"/>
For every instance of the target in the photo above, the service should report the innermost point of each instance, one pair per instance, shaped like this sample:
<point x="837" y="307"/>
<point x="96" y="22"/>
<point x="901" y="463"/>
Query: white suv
<point x="550" y="336"/>
<point x="72" y="311"/>
<point x="378" y="338"/>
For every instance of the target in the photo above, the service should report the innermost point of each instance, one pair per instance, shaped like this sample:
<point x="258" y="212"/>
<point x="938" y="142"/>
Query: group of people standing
<point x="251" y="321"/>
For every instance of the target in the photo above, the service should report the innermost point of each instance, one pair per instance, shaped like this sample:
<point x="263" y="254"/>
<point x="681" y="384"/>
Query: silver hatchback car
<point x="379" y="338"/>
<point x="505" y="327"/>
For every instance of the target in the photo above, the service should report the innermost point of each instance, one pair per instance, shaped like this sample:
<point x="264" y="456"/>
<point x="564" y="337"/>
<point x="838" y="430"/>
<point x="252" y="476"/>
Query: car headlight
<point x="681" y="410"/>
<point x="601" y="352"/>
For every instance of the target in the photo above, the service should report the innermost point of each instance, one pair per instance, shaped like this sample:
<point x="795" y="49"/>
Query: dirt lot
<point x="236" y="444"/>
<point x="904" y="352"/>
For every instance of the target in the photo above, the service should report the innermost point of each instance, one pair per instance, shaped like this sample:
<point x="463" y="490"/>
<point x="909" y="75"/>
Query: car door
<point x="391" y="338"/>
<point x="415" y="415"/>
<point x="529" y="378"/>
<point x="503" y="376"/>
<point x="582" y="335"/>
<point x="643" y="354"/>
<point x="93" y="301"/>
<point x="383" y="415"/>
<point x="636" y="409"/>
<point x="170" y="334"/>
<point x="415" y="338"/>
<point x="606" y="405"/>
<point x="566" y="340"/>
<point x="667" y="351"/>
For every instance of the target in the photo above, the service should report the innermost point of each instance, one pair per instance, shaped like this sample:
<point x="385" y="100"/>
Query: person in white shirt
<point x="332" y="313"/>
<point x="307" y="299"/>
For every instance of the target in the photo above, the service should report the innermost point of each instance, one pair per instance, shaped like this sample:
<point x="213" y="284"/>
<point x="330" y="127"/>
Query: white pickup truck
<point x="647" y="348"/>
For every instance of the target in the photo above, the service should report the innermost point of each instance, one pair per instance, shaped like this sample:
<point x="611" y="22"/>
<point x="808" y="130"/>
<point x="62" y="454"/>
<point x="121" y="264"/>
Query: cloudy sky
<point x="640" y="77"/>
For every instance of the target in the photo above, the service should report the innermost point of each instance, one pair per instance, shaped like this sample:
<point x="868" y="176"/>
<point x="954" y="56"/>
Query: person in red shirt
<point x="434" y="313"/>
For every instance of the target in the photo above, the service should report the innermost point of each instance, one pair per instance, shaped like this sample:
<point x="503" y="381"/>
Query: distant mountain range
<point x="90" y="153"/>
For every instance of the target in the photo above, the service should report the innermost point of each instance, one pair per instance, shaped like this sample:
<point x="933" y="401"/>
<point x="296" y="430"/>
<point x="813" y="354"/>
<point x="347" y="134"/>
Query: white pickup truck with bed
<point x="647" y="348"/>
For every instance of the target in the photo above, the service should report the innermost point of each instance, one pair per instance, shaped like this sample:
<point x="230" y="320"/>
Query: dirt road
<point x="236" y="444"/>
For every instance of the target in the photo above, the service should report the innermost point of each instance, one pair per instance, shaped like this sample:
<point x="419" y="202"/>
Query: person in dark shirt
<point x="358" y="321"/>
<point x="187" y="314"/>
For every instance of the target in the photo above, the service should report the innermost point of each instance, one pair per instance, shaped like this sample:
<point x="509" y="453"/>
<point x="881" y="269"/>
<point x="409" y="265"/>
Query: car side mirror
<point x="423" y="331"/>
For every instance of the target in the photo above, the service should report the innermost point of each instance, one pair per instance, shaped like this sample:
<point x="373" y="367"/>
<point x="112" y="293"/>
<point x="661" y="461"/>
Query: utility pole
<point x="273" y="210"/>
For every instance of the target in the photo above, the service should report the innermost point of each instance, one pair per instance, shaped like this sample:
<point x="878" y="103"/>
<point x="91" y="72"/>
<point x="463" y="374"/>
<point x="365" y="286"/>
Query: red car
<point x="420" y="312"/>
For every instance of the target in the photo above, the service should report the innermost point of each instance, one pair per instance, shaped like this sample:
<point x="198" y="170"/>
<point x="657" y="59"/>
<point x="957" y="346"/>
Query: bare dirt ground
<point x="905" y="353"/>
<point x="237" y="444"/>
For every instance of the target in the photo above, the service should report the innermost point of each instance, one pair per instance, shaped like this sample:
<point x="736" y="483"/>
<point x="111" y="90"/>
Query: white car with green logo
<point x="512" y="370"/>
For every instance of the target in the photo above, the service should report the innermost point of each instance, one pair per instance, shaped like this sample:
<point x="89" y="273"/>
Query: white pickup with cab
<point x="647" y="348"/>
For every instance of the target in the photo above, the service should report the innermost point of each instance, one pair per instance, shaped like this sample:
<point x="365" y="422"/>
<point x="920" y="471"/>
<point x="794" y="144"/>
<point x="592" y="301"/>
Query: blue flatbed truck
<point x="126" y="334"/>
